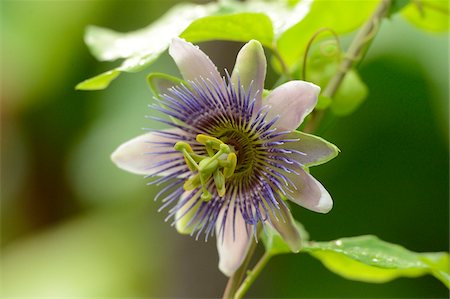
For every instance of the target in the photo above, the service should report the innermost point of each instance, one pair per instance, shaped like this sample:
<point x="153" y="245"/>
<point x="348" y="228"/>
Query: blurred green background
<point x="73" y="225"/>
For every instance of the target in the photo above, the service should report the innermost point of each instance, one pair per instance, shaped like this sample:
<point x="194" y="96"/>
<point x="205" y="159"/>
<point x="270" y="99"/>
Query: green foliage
<point x="369" y="259"/>
<point x="322" y="64"/>
<point x="340" y="16"/>
<point x="350" y="95"/>
<point x="286" y="25"/>
<point x="139" y="48"/>
<point x="364" y="258"/>
<point x="323" y="102"/>
<point x="234" y="27"/>
<point x="225" y="20"/>
<point x="429" y="15"/>
<point x="397" y="5"/>
<point x="98" y="82"/>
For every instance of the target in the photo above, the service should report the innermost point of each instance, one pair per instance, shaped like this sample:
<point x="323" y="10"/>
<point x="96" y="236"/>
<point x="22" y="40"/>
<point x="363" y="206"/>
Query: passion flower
<point x="231" y="157"/>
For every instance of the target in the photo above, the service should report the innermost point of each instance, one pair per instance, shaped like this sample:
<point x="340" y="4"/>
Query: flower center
<point x="219" y="165"/>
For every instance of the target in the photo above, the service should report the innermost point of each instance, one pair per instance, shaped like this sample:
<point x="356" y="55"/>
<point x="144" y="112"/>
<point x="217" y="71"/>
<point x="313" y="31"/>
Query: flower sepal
<point x="159" y="83"/>
<point x="275" y="244"/>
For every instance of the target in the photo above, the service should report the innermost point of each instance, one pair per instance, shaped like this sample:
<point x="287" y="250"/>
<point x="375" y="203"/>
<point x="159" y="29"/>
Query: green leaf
<point x="350" y="95"/>
<point x="340" y="16"/>
<point x="107" y="45"/>
<point x="397" y="6"/>
<point x="429" y="15"/>
<point x="275" y="244"/>
<point x="369" y="259"/>
<point x="323" y="102"/>
<point x="439" y="264"/>
<point x="225" y="20"/>
<point x="98" y="82"/>
<point x="322" y="65"/>
<point x="139" y="48"/>
<point x="284" y="14"/>
<point x="234" y="27"/>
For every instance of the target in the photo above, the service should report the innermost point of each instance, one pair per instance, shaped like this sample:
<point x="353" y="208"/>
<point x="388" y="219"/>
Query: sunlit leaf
<point x="98" y="82"/>
<point x="369" y="259"/>
<point x="106" y="44"/>
<point x="224" y="20"/>
<point x="340" y="16"/>
<point x="139" y="48"/>
<point x="284" y="14"/>
<point x="397" y="6"/>
<point x="430" y="15"/>
<point x="235" y="27"/>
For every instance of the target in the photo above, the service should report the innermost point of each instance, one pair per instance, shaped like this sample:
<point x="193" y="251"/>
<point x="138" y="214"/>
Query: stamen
<point x="219" y="165"/>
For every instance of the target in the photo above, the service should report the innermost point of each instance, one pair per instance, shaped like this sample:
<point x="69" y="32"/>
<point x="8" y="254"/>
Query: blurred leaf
<point x="322" y="63"/>
<point x="235" y="27"/>
<point x="369" y="259"/>
<point x="430" y="15"/>
<point x="225" y="20"/>
<point x="397" y="6"/>
<point x="350" y="95"/>
<point x="98" y="82"/>
<point x="439" y="263"/>
<point x="107" y="45"/>
<point x="323" y="102"/>
<point x="340" y="16"/>
<point x="284" y="14"/>
<point x="98" y="255"/>
<point x="275" y="244"/>
<point x="141" y="47"/>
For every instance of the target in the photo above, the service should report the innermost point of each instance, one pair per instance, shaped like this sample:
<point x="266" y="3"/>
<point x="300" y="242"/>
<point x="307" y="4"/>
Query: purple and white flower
<point x="231" y="156"/>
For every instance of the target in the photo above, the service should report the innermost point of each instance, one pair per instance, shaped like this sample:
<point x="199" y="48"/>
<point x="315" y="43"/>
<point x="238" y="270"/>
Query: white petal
<point x="232" y="243"/>
<point x="292" y="101"/>
<point x="250" y="69"/>
<point x="140" y="155"/>
<point x="192" y="62"/>
<point x="309" y="193"/>
<point x="315" y="150"/>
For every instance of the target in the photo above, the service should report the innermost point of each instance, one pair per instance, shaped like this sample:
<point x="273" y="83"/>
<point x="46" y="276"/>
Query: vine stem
<point x="354" y="54"/>
<point x="252" y="275"/>
<point x="235" y="280"/>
